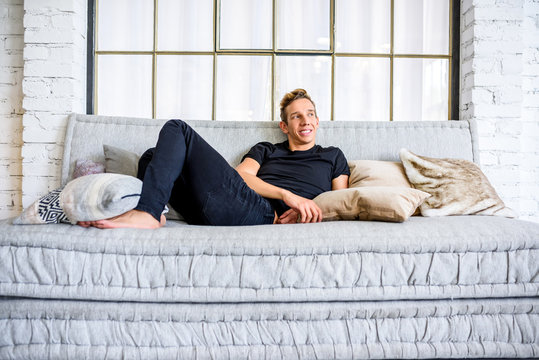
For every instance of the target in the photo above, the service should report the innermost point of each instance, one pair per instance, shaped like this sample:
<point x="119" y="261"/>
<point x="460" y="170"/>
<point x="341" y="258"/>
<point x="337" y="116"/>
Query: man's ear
<point x="283" y="126"/>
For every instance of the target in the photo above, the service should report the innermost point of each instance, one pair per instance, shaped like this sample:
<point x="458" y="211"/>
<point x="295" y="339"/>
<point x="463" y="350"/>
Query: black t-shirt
<point x="305" y="173"/>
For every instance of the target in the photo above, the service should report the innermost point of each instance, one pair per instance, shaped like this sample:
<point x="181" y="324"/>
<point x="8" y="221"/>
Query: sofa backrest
<point x="86" y="135"/>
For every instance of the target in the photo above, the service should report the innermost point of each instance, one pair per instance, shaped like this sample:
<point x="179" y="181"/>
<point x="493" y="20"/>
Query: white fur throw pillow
<point x="458" y="187"/>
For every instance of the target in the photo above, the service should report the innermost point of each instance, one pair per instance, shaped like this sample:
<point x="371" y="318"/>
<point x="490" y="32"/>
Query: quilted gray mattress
<point x="423" y="258"/>
<point x="392" y="329"/>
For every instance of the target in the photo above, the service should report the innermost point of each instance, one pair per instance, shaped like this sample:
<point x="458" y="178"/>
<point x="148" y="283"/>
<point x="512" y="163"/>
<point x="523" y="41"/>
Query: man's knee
<point x="178" y="126"/>
<point x="176" y="123"/>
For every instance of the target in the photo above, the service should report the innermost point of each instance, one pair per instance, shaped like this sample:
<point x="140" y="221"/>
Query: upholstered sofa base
<point x="340" y="330"/>
<point x="446" y="287"/>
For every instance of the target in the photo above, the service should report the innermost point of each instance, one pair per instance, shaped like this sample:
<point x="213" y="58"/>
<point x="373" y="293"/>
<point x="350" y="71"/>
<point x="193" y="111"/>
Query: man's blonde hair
<point x="291" y="96"/>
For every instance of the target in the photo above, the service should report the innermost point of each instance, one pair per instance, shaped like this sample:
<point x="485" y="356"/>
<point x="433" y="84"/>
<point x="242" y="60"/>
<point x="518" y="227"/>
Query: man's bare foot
<point x="131" y="219"/>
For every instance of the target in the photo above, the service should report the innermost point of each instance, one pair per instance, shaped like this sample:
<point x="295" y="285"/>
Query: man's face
<point x="302" y="124"/>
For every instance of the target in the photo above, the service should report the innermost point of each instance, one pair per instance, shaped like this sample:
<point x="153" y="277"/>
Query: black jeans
<point x="186" y="172"/>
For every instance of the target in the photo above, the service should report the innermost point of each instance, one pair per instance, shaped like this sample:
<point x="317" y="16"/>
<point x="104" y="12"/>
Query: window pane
<point x="246" y="24"/>
<point x="303" y="24"/>
<point x="420" y="90"/>
<point x="124" y="85"/>
<point x="362" y="89"/>
<point x="363" y="26"/>
<point x="312" y="73"/>
<point x="422" y="27"/>
<point x="185" y="25"/>
<point x="243" y="88"/>
<point x="184" y="87"/>
<point x="125" y="25"/>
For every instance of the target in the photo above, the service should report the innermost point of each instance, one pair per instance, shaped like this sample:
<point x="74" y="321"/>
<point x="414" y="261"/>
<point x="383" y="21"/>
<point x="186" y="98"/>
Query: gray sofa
<point x="444" y="287"/>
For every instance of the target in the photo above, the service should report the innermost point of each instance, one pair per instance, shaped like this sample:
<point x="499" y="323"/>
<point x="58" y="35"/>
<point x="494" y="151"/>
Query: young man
<point x="275" y="183"/>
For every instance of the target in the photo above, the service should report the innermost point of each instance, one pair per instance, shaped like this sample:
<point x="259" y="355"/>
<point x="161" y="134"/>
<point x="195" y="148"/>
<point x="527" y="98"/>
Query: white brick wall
<point x="11" y="74"/>
<point x="529" y="180"/>
<point x="54" y="85"/>
<point x="499" y="88"/>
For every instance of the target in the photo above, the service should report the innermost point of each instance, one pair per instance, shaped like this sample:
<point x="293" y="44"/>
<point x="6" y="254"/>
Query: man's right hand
<point x="301" y="210"/>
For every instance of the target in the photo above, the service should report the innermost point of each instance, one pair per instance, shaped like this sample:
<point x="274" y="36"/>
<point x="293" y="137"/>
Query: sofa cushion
<point x="85" y="167"/>
<point x="422" y="258"/>
<point x="458" y="187"/>
<point x="385" y="203"/>
<point x="377" y="173"/>
<point x="99" y="196"/>
<point x="120" y="161"/>
<point x="45" y="210"/>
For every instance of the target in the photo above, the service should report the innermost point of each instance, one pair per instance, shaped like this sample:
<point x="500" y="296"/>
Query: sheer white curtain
<point x="185" y="25"/>
<point x="184" y="87"/>
<point x="246" y="24"/>
<point x="303" y="25"/>
<point x="201" y="69"/>
<point x="421" y="86"/>
<point x="420" y="89"/>
<point x="243" y="82"/>
<point x="363" y="26"/>
<point x="118" y="91"/>
<point x="422" y="27"/>
<point x="243" y="88"/>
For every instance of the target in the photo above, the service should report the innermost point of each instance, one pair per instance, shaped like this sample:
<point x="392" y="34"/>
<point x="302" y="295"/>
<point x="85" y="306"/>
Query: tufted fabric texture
<point x="450" y="287"/>
<point x="365" y="330"/>
<point x="86" y="135"/>
<point x="422" y="258"/>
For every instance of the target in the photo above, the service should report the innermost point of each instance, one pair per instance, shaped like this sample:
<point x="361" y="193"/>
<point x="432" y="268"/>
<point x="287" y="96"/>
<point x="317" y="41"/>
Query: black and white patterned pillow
<point x="49" y="209"/>
<point x="86" y="198"/>
<point x="46" y="210"/>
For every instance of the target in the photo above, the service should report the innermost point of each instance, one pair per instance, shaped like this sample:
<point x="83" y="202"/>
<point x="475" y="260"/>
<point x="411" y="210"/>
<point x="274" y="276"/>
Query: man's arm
<point x="307" y="209"/>
<point x="340" y="182"/>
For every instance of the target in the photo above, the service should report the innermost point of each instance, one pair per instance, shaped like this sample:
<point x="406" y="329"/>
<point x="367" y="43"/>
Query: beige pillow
<point x="458" y="187"/>
<point x="386" y="203"/>
<point x="377" y="173"/>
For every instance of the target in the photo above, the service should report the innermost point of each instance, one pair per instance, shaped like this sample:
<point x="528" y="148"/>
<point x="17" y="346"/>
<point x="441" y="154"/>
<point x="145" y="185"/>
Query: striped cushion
<point x="99" y="196"/>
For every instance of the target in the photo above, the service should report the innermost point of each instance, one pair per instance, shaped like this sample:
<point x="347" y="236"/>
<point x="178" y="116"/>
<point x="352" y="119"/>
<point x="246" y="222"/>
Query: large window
<point x="373" y="60"/>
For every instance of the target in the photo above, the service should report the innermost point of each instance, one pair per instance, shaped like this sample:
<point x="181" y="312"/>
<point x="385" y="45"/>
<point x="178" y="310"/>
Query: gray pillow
<point x="99" y="196"/>
<point x="87" y="198"/>
<point x="120" y="161"/>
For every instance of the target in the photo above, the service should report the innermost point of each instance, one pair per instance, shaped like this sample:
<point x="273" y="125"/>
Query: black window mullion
<point x="455" y="60"/>
<point x="90" y="58"/>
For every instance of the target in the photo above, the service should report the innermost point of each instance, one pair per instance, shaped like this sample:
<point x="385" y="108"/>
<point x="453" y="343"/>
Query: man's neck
<point x="300" y="147"/>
